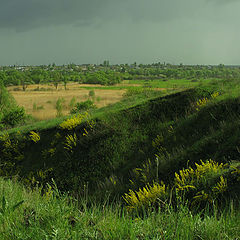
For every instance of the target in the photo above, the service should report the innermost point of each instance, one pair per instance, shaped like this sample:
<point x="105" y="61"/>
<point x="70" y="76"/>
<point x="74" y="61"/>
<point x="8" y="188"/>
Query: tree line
<point x="106" y="74"/>
<point x="13" y="77"/>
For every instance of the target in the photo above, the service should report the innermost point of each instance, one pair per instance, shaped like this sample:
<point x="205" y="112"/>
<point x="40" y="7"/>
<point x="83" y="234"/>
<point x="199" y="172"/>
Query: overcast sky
<point x="122" y="31"/>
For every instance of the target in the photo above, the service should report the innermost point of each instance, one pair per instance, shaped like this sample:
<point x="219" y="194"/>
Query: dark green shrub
<point x="59" y="106"/>
<point x="103" y="78"/>
<point x="83" y="106"/>
<point x="10" y="113"/>
<point x="72" y="102"/>
<point x="14" y="116"/>
<point x="6" y="99"/>
<point x="91" y="94"/>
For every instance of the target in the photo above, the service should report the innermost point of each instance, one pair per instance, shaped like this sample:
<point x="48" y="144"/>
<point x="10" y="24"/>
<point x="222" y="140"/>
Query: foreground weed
<point x="203" y="101"/>
<point x="74" y="121"/>
<point x="59" y="106"/>
<point x="5" y="208"/>
<point x="146" y="197"/>
<point x="35" y="137"/>
<point x="202" y="184"/>
<point x="71" y="142"/>
<point x="72" y="102"/>
<point x="237" y="172"/>
<point x="11" y="154"/>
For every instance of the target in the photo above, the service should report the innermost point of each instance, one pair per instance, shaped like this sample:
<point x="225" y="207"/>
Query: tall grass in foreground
<point x="56" y="216"/>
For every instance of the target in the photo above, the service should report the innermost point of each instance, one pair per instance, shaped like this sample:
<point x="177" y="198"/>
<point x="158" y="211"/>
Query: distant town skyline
<point x="40" y="32"/>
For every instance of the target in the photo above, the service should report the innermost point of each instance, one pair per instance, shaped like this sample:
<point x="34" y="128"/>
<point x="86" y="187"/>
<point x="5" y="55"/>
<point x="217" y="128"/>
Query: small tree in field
<point x="91" y="94"/>
<point x="65" y="81"/>
<point x="59" y="106"/>
<point x="55" y="79"/>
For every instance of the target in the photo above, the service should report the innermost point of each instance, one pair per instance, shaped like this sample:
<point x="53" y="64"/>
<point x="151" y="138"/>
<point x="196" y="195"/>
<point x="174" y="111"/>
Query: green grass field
<point x="26" y="214"/>
<point x="170" y="83"/>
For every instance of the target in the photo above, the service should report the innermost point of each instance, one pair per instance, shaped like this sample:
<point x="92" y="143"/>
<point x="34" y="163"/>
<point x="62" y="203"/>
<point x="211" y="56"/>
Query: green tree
<point x="106" y="63"/>
<point x="55" y="78"/>
<point x="65" y="80"/>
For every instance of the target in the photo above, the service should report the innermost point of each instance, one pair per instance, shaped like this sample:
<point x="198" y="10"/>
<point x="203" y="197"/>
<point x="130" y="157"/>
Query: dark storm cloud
<point x="80" y="31"/>
<point x="27" y="14"/>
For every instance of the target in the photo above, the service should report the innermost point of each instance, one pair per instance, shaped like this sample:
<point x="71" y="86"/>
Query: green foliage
<point x="59" y="106"/>
<point x="137" y="91"/>
<point x="91" y="94"/>
<point x="106" y="74"/>
<point x="236" y="171"/>
<point x="6" y="209"/>
<point x="6" y="100"/>
<point x="11" y="154"/>
<point x="35" y="107"/>
<point x="103" y="78"/>
<point x="147" y="173"/>
<point x="83" y="106"/>
<point x="72" y="102"/>
<point x="10" y="113"/>
<point x="13" y="116"/>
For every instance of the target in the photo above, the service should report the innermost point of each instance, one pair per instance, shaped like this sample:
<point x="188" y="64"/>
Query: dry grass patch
<point x="42" y="104"/>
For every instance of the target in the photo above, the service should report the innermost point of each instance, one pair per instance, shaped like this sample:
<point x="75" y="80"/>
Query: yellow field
<point x="42" y="104"/>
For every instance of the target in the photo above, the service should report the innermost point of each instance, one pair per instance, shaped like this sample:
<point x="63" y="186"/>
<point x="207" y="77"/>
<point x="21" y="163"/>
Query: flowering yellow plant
<point x="197" y="181"/>
<point x="73" y="122"/>
<point x="214" y="95"/>
<point x="187" y="178"/>
<point x="236" y="171"/>
<point x="202" y="102"/>
<point x="221" y="186"/>
<point x="35" y="137"/>
<point x="71" y="141"/>
<point x="145" y="197"/>
<point x="6" y="140"/>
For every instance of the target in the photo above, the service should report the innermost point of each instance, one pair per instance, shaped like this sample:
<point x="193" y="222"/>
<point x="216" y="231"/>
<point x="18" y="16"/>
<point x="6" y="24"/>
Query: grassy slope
<point x="122" y="138"/>
<point x="56" y="216"/>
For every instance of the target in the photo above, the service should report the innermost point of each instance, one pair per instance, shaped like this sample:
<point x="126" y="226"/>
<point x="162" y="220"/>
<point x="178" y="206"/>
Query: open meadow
<point x="41" y="104"/>
<point x="40" y="100"/>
